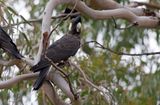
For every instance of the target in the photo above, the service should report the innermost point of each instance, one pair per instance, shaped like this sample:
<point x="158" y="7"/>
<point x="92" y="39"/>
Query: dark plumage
<point x="59" y="51"/>
<point x="7" y="44"/>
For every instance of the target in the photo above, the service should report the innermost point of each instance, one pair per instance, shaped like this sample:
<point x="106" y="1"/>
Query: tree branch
<point x="148" y="5"/>
<point x="111" y="4"/>
<point x="57" y="79"/>
<point x="121" y="53"/>
<point x="104" y="4"/>
<point x="52" y="94"/>
<point x="123" y="13"/>
<point x="9" y="83"/>
<point x="39" y="20"/>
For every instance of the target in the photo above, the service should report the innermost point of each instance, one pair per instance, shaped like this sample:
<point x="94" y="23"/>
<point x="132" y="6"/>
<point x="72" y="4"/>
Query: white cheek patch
<point x="79" y="27"/>
<point x="70" y="25"/>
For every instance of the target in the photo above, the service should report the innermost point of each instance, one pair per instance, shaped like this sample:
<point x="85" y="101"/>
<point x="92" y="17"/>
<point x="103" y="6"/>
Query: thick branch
<point x="53" y="76"/>
<point x="52" y="94"/>
<point x="104" y="4"/>
<point x="149" y="5"/>
<point x="56" y="78"/>
<point x="142" y="21"/>
<point x="111" y="4"/>
<point x="9" y="83"/>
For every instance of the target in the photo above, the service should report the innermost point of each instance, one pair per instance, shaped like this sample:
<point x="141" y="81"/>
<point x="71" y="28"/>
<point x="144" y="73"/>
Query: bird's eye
<point x="79" y="27"/>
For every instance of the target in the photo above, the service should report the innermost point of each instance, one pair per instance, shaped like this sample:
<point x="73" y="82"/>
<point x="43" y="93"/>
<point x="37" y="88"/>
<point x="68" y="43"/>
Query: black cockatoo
<point x="59" y="51"/>
<point x="7" y="44"/>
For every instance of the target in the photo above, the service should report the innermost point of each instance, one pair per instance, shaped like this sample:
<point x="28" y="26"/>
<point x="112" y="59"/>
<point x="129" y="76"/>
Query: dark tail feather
<point x="7" y="44"/>
<point x="18" y="56"/>
<point x="40" y="78"/>
<point x="41" y="65"/>
<point x="11" y="49"/>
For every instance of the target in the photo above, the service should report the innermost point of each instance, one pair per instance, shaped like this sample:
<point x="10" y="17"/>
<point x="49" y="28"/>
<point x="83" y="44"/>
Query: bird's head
<point x="75" y="25"/>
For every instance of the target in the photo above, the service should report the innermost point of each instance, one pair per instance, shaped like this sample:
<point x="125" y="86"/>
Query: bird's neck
<point x="76" y="34"/>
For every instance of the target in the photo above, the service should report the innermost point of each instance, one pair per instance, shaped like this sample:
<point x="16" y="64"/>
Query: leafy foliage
<point x="133" y="80"/>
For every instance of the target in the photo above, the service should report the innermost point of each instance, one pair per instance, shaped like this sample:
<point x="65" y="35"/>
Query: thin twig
<point x="121" y="53"/>
<point x="67" y="77"/>
<point x="92" y="84"/>
<point x="127" y="27"/>
<point x="55" y="66"/>
<point x="39" y="20"/>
